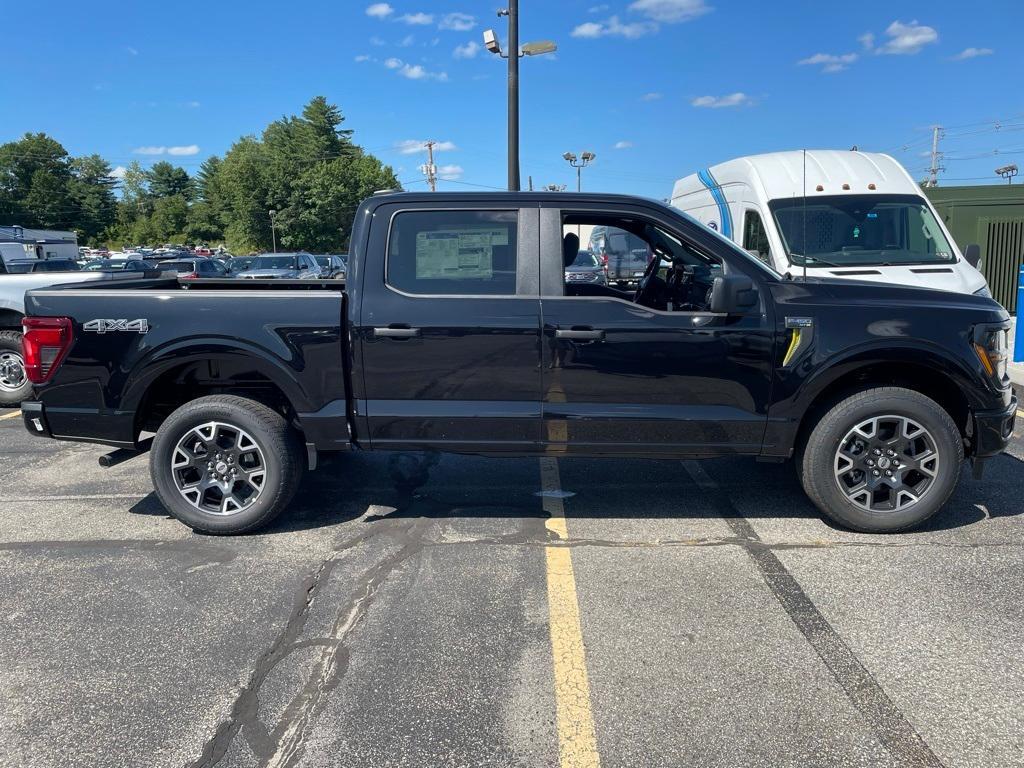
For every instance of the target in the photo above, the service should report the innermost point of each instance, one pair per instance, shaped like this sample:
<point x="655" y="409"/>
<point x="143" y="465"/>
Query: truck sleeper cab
<point x="457" y="330"/>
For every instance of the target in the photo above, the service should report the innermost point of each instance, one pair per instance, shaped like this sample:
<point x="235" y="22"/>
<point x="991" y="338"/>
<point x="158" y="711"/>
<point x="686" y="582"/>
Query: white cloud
<point x="904" y="39"/>
<point x="414" y="71"/>
<point x="717" y="102"/>
<point x="449" y="172"/>
<point x="379" y="42"/>
<point x="132" y="51"/>
<point x="652" y="96"/>
<point x="379" y="10"/>
<point x="623" y="144"/>
<point x="467" y="51"/>
<point x="407" y="41"/>
<point x="418" y="19"/>
<point x="364" y="57"/>
<point x="412" y="146"/>
<point x="830" y="62"/>
<point x="867" y="40"/>
<point x="670" y="11"/>
<point x="598" y="8"/>
<point x="193" y="104"/>
<point x="613" y="27"/>
<point x="458" y="22"/>
<point x="188" y="149"/>
<point x="119" y="172"/>
<point x="972" y="53"/>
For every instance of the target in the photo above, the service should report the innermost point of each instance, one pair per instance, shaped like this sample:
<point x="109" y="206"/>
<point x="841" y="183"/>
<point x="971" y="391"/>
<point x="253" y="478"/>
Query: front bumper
<point x="992" y="430"/>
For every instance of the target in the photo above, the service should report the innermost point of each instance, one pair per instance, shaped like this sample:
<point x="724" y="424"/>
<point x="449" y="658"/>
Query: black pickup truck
<point x="456" y="331"/>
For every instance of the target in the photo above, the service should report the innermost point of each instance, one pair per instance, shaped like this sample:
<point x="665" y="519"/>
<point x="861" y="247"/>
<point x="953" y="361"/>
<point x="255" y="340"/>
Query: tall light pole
<point x="514" y="52"/>
<point x="579" y="163"/>
<point x="273" y="231"/>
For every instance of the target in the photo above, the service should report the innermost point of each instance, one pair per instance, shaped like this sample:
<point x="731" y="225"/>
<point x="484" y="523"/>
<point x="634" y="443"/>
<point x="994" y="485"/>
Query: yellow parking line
<point x="577" y="742"/>
<point x="12" y="415"/>
<point x="1020" y="413"/>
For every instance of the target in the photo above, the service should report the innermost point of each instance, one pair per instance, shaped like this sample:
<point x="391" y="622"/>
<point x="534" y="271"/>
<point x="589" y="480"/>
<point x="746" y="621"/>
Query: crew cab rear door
<point x="449" y="328"/>
<point x="621" y="377"/>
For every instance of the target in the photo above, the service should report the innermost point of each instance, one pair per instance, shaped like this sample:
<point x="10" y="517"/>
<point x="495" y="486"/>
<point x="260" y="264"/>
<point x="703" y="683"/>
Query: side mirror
<point x="972" y="254"/>
<point x="731" y="294"/>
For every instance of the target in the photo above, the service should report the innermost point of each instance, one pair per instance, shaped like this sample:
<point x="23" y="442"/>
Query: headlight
<point x="992" y="347"/>
<point x="984" y="291"/>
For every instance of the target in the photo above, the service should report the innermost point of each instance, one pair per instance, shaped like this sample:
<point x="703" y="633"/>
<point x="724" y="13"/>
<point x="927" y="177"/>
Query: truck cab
<point x="844" y="214"/>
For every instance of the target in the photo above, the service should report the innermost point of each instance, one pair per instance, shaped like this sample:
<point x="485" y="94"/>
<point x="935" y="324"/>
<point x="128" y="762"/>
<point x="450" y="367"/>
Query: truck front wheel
<point x="14" y="383"/>
<point x="225" y="464"/>
<point x="882" y="460"/>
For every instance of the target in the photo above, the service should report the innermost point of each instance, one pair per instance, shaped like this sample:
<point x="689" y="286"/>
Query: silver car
<point x="282" y="266"/>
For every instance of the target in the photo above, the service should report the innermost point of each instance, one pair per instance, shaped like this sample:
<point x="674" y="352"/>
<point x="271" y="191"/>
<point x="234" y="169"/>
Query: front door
<point x="660" y="376"/>
<point x="449" y="335"/>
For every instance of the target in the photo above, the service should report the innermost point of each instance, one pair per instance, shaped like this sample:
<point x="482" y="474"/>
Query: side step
<point x="121" y="455"/>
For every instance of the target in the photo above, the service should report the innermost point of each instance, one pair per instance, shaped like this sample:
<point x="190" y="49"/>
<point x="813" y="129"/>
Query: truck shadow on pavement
<point x="412" y="485"/>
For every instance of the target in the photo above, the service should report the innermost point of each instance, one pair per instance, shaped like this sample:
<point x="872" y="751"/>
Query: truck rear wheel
<point x="225" y="464"/>
<point x="14" y="383"/>
<point x="883" y="460"/>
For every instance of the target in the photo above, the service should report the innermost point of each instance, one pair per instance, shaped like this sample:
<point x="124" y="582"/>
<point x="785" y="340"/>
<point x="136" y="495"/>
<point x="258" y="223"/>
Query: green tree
<point x="34" y="177"/>
<point x="92" y="189"/>
<point x="167" y="180"/>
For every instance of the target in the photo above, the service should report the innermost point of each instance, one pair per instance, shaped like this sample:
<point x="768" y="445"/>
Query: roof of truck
<point x="502" y="196"/>
<point x="837" y="172"/>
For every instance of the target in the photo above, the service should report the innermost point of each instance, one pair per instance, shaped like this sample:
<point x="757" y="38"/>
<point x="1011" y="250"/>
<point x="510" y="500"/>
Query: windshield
<point x="585" y="259"/>
<point x="861" y="231"/>
<point x="181" y="267"/>
<point x="273" y="262"/>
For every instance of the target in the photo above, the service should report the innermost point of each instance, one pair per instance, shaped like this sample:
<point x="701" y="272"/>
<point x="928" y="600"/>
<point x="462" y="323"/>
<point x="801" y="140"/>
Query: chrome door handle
<point x="588" y="334"/>
<point x="396" y="333"/>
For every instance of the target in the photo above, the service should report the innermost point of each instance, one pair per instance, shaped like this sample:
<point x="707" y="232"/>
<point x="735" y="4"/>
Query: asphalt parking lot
<point x="505" y="612"/>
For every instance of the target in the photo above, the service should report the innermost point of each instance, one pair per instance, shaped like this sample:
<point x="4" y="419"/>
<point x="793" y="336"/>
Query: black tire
<point x="819" y="468"/>
<point x="10" y="344"/>
<point x="280" y="453"/>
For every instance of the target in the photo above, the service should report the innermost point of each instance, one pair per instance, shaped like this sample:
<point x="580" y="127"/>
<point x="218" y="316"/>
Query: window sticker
<point x="458" y="253"/>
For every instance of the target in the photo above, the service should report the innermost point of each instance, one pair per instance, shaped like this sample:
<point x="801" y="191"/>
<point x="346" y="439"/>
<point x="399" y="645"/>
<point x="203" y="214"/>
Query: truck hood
<point x="957" y="278"/>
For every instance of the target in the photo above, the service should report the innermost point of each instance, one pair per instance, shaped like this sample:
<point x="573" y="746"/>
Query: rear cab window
<point x="454" y="252"/>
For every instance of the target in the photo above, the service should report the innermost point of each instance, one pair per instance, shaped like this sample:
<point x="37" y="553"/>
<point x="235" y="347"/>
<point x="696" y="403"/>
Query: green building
<point x="993" y="217"/>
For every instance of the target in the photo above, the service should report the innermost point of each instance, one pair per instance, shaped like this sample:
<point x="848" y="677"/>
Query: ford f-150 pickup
<point x="457" y="331"/>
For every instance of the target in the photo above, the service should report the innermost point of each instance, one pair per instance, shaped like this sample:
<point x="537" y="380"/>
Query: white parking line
<point x="81" y="497"/>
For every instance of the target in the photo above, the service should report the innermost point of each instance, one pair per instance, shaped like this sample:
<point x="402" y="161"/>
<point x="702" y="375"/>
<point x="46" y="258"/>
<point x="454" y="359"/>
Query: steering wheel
<point x="646" y="283"/>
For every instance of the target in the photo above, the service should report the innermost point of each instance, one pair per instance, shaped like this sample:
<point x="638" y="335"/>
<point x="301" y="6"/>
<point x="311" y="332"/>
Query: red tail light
<point x="189" y="276"/>
<point x="45" y="342"/>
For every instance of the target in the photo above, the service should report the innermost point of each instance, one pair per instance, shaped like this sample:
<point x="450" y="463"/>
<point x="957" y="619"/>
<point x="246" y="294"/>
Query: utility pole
<point x="273" y="230"/>
<point x="430" y="170"/>
<point x="933" y="171"/>
<point x="513" y="95"/>
<point x="538" y="48"/>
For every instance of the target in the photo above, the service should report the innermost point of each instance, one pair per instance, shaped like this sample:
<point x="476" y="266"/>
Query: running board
<point x="121" y="455"/>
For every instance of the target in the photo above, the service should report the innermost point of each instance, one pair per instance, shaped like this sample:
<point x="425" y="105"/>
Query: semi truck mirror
<point x="972" y="253"/>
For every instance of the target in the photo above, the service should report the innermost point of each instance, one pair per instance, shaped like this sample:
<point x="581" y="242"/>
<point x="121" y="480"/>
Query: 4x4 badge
<point x="110" y="326"/>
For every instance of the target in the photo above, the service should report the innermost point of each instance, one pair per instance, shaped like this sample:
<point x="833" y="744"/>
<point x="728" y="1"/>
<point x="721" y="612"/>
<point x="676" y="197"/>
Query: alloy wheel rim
<point x="219" y="468"/>
<point x="886" y="463"/>
<point x="12" y="372"/>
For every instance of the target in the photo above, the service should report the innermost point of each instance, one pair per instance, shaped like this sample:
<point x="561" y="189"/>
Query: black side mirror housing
<point x="972" y="255"/>
<point x="732" y="294"/>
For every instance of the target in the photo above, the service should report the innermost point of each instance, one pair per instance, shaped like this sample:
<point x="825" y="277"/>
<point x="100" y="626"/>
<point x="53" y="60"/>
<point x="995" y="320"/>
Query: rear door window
<point x="466" y="253"/>
<point x="755" y="239"/>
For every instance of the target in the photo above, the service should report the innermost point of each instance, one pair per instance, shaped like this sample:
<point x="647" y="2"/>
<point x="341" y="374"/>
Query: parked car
<point x="192" y="269"/>
<point x="857" y="215"/>
<point x="119" y="265"/>
<point x="624" y="255"/>
<point x="332" y="266"/>
<point x="238" y="264"/>
<point x="586" y="268"/>
<point x="282" y="266"/>
<point x="464" y="337"/>
<point x="31" y="266"/>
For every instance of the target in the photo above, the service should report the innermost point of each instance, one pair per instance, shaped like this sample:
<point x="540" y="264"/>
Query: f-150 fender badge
<point x="111" y="326"/>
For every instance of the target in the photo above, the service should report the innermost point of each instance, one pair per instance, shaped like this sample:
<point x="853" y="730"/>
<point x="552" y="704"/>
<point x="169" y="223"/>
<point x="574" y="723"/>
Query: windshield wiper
<point x="816" y="261"/>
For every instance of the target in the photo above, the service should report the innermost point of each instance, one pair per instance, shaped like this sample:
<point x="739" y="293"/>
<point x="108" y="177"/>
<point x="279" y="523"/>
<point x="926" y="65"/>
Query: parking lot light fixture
<point x="273" y="230"/>
<point x="585" y="159"/>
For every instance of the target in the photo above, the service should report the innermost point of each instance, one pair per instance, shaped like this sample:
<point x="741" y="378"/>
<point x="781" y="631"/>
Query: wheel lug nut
<point x="877" y="452"/>
<point x="876" y="473"/>
<point x="888" y="473"/>
<point x="871" y="462"/>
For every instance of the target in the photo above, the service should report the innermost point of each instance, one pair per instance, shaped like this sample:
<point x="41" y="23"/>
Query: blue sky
<point x="656" y="88"/>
